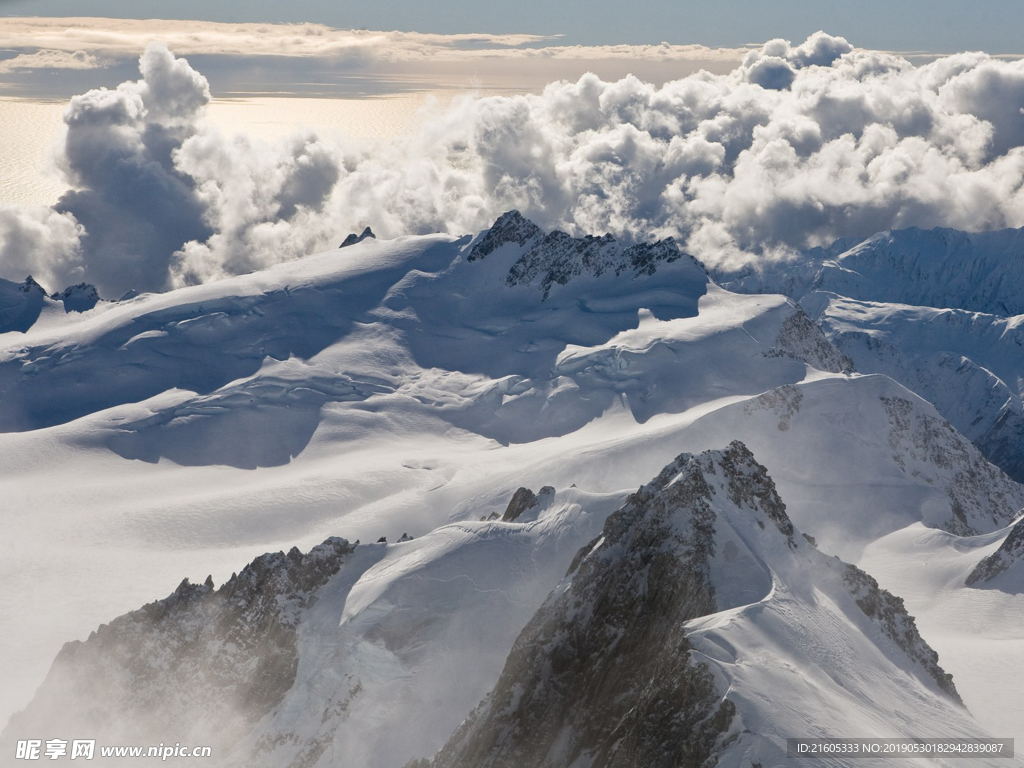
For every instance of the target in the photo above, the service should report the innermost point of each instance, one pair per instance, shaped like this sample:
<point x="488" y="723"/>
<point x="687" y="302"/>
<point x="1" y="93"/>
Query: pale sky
<point x="941" y="26"/>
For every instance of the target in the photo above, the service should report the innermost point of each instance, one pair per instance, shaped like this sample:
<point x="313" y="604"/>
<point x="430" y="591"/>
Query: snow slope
<point x="970" y="365"/>
<point x="411" y="386"/>
<point x="374" y="384"/>
<point x="369" y="655"/>
<point x="938" y="310"/>
<point x="975" y="629"/>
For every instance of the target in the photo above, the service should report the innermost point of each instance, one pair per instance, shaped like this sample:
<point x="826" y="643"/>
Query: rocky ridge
<point x="981" y="496"/>
<point x="209" y="661"/>
<point x="1009" y="557"/>
<point x="604" y="675"/>
<point x="556" y="258"/>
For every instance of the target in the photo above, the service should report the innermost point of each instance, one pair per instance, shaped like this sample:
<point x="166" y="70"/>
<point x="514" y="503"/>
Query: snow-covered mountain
<point x="21" y="304"/>
<point x="945" y="268"/>
<point x="696" y="610"/>
<point x="699" y="629"/>
<point x="411" y="388"/>
<point x="970" y="365"/>
<point x="937" y="310"/>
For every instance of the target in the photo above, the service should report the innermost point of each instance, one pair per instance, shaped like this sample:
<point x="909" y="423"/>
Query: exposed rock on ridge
<point x="206" y="663"/>
<point x="981" y="496"/>
<point x="801" y="339"/>
<point x="603" y="675"/>
<point x="510" y="227"/>
<point x="589" y="678"/>
<point x="524" y="500"/>
<point x="353" y="238"/>
<point x="1009" y="554"/>
<point x="888" y="612"/>
<point x="557" y="257"/>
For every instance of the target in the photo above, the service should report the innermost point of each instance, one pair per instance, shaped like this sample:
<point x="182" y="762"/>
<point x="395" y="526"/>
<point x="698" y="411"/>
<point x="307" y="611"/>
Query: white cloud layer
<point x="796" y="147"/>
<point x="49" y="59"/>
<point x="127" y="37"/>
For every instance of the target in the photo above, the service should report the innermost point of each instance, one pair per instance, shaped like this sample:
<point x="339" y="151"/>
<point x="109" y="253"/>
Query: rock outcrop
<point x="203" y="664"/>
<point x="353" y="238"/>
<point x="1008" y="558"/>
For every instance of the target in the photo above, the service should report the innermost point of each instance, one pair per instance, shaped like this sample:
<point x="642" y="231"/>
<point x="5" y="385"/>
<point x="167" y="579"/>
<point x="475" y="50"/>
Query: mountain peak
<point x="632" y="661"/>
<point x="78" y="298"/>
<point x="353" y="238"/>
<point x="510" y="227"/>
<point x="31" y="286"/>
<point x="557" y="257"/>
<point x="20" y="304"/>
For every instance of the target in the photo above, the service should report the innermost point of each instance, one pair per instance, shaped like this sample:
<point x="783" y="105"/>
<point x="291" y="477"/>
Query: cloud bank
<point x="243" y="58"/>
<point x="48" y="59"/>
<point x="127" y="37"/>
<point x="799" y="145"/>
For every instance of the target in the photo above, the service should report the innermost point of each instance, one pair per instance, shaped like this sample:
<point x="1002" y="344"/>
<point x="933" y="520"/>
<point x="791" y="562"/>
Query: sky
<point x="941" y="26"/>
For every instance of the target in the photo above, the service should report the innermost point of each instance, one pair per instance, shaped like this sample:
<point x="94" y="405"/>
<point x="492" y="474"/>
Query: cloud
<point x="265" y="205"/>
<point x="118" y="155"/>
<point x="128" y="37"/>
<point x="48" y="59"/>
<point x="41" y="243"/>
<point x="246" y="58"/>
<point x="795" y="147"/>
<point x="774" y="65"/>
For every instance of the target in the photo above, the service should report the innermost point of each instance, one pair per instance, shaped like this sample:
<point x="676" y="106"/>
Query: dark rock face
<point x="603" y="674"/>
<point x="203" y="664"/>
<point x="20" y="304"/>
<point x="750" y="486"/>
<point x="78" y="298"/>
<point x="801" y="339"/>
<point x="1011" y="551"/>
<point x="353" y="238"/>
<point x="888" y="612"/>
<point x="510" y="227"/>
<point x="558" y="258"/>
<point x="522" y="500"/>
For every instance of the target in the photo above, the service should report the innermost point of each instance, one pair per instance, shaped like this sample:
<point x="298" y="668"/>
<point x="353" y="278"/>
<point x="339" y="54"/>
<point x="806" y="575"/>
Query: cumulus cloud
<point x="118" y="155"/>
<point x="797" y="146"/>
<point x="41" y="243"/>
<point x="264" y="206"/>
<point x="774" y="65"/>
